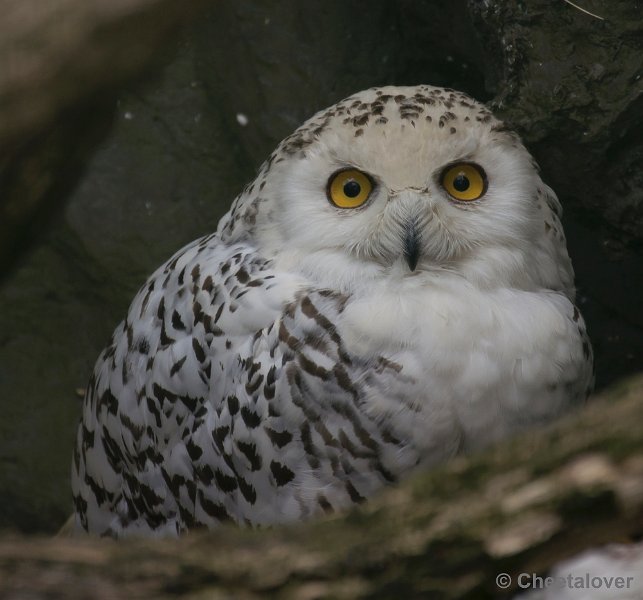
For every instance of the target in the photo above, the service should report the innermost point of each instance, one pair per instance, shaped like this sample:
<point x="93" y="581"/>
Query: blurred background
<point x="127" y="128"/>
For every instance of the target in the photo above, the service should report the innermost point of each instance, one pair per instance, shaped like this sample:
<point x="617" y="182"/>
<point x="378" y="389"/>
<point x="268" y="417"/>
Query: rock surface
<point x="178" y="152"/>
<point x="61" y="64"/>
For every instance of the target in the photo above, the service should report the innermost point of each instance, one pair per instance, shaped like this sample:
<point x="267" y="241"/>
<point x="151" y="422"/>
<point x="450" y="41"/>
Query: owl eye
<point x="349" y="188"/>
<point x="464" y="181"/>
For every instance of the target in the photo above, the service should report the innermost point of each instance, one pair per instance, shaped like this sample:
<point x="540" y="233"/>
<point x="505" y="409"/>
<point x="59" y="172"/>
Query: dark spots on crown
<point x="399" y="98"/>
<point x="428" y="118"/>
<point x="176" y="367"/>
<point x="409" y="115"/>
<point x="359" y="132"/>
<point x="420" y="99"/>
<point x="445" y="118"/>
<point x="360" y="120"/>
<point x="282" y="474"/>
<point x="382" y="121"/>
<point x="249" y="450"/>
<point x="483" y="118"/>
<point x="452" y="130"/>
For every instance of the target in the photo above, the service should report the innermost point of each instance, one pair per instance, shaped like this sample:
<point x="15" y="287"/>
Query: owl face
<point x="400" y="181"/>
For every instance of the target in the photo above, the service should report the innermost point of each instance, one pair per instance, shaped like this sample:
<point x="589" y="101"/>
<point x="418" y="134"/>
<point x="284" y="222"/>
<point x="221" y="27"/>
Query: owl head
<point x="398" y="182"/>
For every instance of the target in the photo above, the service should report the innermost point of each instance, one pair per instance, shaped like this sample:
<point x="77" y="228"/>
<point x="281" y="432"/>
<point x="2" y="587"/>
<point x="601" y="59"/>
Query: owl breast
<point x="479" y="364"/>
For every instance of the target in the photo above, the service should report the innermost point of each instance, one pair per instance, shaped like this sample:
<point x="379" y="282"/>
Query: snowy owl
<point x="392" y="289"/>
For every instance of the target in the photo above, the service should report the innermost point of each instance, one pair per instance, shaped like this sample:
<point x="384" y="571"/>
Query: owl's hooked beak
<point x="412" y="245"/>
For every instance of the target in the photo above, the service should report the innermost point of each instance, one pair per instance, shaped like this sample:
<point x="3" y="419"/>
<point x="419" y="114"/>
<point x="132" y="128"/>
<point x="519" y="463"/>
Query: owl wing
<point x="166" y="365"/>
<point x="227" y="394"/>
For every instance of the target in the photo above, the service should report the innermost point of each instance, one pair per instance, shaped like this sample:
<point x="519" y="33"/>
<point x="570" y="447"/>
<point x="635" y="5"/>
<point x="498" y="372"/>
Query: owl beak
<point x="412" y="246"/>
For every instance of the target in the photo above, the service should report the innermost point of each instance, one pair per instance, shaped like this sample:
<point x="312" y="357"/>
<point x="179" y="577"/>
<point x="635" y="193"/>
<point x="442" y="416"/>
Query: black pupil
<point x="461" y="182"/>
<point x="352" y="188"/>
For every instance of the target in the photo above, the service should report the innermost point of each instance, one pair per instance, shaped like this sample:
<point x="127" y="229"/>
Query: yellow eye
<point x="464" y="181"/>
<point x="349" y="188"/>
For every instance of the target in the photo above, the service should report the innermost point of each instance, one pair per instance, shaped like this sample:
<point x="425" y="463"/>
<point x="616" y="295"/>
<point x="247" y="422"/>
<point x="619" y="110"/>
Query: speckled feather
<point x="291" y="364"/>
